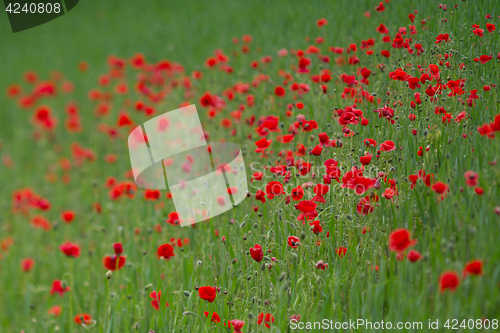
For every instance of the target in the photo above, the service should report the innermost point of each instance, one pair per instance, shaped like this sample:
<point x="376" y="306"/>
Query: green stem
<point x="71" y="283"/>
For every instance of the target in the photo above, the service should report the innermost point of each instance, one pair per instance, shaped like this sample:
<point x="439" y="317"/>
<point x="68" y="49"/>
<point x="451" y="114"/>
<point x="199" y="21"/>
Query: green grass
<point x="450" y="232"/>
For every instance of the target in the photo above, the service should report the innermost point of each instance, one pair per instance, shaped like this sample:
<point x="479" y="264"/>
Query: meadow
<point x="368" y="134"/>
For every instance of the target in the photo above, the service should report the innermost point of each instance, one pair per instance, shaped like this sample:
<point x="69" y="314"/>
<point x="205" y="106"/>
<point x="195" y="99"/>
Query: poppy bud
<point x="109" y="274"/>
<point x="250" y="315"/>
<point x="497" y="210"/>
<point x="64" y="284"/>
<point x="187" y="294"/>
<point x="243" y="224"/>
<point x="118" y="248"/>
<point x="199" y="263"/>
<point x="148" y="286"/>
<point x="282" y="276"/>
<point x="349" y="217"/>
<point x="302" y="235"/>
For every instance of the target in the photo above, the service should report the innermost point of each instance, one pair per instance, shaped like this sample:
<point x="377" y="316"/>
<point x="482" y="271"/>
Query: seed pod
<point x="187" y="293"/>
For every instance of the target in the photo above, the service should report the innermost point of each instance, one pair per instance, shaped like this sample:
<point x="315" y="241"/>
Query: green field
<point x="370" y="281"/>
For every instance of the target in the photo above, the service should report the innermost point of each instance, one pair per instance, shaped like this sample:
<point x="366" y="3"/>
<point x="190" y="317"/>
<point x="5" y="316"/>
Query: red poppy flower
<point x="293" y="241"/>
<point x="156" y="296"/>
<point x="27" y="264"/>
<point x="70" y="249"/>
<point x="485" y="58"/>
<point x="262" y="145"/>
<point x="308" y="209"/>
<point x="364" y="206"/>
<point x="207" y="293"/>
<point x="414" y="256"/>
<point x="316" y="227"/>
<point x="55" y="310"/>
<point x="442" y="38"/>
<point x="173" y="218"/>
<point x="473" y="267"/>
<point x="354" y="180"/>
<point x="297" y="193"/>
<point x="152" y="195"/>
<point x="320" y="190"/>
<point x="380" y="7"/>
<point x="341" y="251"/>
<point x="382" y="29"/>
<point x="321" y="265"/>
<point x="237" y="325"/>
<point x="40" y="222"/>
<point x="274" y="188"/>
<point x="323" y="138"/>
<point x="165" y="251"/>
<point x="114" y="262"/>
<point x="400" y="240"/>
<point x="256" y="176"/>
<point x="287" y="138"/>
<point x="57" y="288"/>
<point x="68" y="216"/>
<point x="83" y="318"/>
<point x="261" y="196"/>
<point x="256" y="253"/>
<point x="14" y="90"/>
<point x="279" y="91"/>
<point x="387" y="146"/>
<point x="448" y="280"/>
<point x="215" y="316"/>
<point x="366" y="159"/>
<point x="118" y="248"/>
<point x="316" y="151"/>
<point x="370" y="143"/>
<point x="388" y="193"/>
<point x="267" y="319"/>
<point x="321" y="22"/>
<point x="440" y="187"/>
